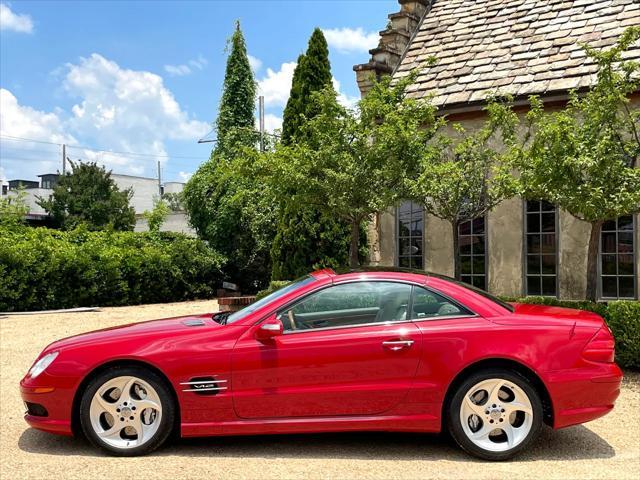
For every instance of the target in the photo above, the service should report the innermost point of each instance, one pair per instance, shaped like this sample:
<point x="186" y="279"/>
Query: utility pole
<point x="159" y="181"/>
<point x="261" y="115"/>
<point x="64" y="159"/>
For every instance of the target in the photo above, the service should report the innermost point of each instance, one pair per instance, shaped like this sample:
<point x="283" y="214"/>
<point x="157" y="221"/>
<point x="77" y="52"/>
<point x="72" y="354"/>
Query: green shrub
<point x="273" y="286"/>
<point x="43" y="269"/>
<point x="623" y="317"/>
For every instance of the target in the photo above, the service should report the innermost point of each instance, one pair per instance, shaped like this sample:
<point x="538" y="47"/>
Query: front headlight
<point x="42" y="364"/>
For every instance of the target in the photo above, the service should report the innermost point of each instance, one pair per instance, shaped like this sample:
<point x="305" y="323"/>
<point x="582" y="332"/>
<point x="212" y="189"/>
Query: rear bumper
<point x="584" y="394"/>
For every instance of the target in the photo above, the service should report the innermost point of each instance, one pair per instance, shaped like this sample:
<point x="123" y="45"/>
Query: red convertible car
<point x="362" y="350"/>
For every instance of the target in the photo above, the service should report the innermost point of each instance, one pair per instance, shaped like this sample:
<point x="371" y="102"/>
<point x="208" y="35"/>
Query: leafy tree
<point x="13" y="209"/>
<point x="462" y="176"/>
<point x="305" y="238"/>
<point x="352" y="164"/>
<point x="173" y="201"/>
<point x="157" y="216"/>
<point x="223" y="207"/>
<point x="582" y="157"/>
<point x="88" y="195"/>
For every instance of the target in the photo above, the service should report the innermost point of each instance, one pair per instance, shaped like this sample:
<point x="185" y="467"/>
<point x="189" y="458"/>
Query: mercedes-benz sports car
<point x="362" y="350"/>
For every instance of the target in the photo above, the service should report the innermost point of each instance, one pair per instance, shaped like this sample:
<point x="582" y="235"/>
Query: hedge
<point x="42" y="269"/>
<point x="622" y="316"/>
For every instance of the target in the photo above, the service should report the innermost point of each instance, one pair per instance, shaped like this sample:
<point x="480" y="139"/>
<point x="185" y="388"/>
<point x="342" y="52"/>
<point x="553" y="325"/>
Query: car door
<point x="348" y="349"/>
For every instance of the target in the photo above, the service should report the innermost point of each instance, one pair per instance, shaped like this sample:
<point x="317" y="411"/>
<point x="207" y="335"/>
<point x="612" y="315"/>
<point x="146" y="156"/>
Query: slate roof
<point x="520" y="47"/>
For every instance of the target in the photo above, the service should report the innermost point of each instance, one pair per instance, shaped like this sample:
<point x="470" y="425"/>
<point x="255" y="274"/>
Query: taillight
<point x="601" y="348"/>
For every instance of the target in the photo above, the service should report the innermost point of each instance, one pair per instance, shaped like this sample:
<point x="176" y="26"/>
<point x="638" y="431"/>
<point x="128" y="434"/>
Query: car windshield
<point x="249" y="309"/>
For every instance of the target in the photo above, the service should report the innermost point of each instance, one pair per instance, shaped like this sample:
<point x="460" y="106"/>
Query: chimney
<point x="394" y="40"/>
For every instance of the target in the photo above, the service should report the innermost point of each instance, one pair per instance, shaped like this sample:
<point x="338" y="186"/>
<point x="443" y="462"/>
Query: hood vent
<point x="193" y="322"/>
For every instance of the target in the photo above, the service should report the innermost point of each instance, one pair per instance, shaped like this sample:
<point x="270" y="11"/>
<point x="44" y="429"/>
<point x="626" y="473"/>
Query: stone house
<point x="519" y="47"/>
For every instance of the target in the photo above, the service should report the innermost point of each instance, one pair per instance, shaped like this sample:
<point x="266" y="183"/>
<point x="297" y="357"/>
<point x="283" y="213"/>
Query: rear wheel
<point x="127" y="411"/>
<point x="494" y="414"/>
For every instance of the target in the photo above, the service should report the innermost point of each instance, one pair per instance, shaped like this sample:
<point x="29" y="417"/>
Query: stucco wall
<point x="175" y="222"/>
<point x="438" y="246"/>
<point x="505" y="225"/>
<point x="505" y="249"/>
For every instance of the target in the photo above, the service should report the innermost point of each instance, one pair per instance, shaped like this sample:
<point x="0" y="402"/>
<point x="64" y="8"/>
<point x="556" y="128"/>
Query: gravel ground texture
<point x="606" y="448"/>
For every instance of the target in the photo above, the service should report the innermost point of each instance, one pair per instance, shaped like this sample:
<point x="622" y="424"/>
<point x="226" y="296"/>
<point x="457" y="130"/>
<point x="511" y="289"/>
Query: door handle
<point x="395" y="345"/>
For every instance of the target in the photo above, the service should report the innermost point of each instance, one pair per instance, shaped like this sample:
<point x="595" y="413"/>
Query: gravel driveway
<point x="606" y="448"/>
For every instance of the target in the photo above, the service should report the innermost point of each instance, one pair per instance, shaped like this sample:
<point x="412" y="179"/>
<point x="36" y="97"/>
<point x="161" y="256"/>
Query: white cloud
<point x="349" y="40"/>
<point x="255" y="63"/>
<point x="188" y="68"/>
<point x="123" y="107"/>
<point x="177" y="70"/>
<point x="23" y="159"/>
<point x="185" y="176"/>
<point x="272" y="122"/>
<point x="344" y="99"/>
<point x="276" y="85"/>
<point x="199" y="62"/>
<point x="116" y="109"/>
<point x="16" y="22"/>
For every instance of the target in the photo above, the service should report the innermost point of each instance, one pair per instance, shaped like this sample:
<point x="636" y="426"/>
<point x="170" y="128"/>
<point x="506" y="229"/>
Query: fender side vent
<point x="204" y="385"/>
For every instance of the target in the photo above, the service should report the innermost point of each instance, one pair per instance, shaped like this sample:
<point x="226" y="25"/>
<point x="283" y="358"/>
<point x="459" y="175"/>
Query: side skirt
<point x="412" y="423"/>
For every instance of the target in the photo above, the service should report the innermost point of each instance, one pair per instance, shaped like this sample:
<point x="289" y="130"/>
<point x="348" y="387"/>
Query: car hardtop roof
<point x="371" y="269"/>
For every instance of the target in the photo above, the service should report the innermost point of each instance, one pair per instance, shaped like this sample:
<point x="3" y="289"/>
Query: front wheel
<point x="127" y="411"/>
<point x="494" y="414"/>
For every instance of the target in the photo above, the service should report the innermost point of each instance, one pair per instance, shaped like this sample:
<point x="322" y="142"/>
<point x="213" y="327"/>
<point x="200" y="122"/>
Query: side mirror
<point x="269" y="328"/>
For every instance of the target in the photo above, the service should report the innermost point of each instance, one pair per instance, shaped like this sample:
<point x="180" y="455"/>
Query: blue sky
<point x="145" y="77"/>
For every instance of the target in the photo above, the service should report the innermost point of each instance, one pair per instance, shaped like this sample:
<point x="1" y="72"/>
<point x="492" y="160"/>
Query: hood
<point x="551" y="315"/>
<point x="165" y="327"/>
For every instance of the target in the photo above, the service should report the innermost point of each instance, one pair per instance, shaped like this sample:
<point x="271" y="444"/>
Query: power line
<point x="112" y="152"/>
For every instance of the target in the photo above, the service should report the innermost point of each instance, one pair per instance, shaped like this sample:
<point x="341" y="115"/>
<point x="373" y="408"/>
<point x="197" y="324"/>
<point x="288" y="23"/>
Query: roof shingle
<point x="521" y="47"/>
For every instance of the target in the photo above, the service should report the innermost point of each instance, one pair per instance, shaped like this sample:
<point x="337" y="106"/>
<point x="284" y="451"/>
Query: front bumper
<point x="583" y="394"/>
<point x="56" y="401"/>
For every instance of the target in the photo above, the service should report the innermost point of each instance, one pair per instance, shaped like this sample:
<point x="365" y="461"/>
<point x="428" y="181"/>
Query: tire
<point x="127" y="411"/>
<point x="494" y="414"/>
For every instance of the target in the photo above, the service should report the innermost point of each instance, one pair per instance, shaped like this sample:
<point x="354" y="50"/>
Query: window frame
<point x="525" y="254"/>
<point x="448" y="298"/>
<point x="396" y="235"/>
<point x="485" y="236"/>
<point x="634" y="226"/>
<point x="291" y="304"/>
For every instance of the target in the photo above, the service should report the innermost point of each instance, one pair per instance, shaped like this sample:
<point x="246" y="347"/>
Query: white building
<point x="145" y="192"/>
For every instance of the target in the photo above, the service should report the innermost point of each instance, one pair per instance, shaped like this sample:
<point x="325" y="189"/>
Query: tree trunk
<point x="592" y="261"/>
<point x="354" y="261"/>
<point x="456" y="250"/>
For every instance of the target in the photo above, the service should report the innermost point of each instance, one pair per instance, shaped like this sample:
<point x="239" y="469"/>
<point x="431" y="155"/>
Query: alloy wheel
<point x="496" y="414"/>
<point x="125" y="412"/>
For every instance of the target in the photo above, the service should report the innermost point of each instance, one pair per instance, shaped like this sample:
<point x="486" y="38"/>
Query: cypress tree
<point x="291" y="116"/>
<point x="221" y="203"/>
<point x="237" y="106"/>
<point x="312" y="73"/>
<point x="305" y="239"/>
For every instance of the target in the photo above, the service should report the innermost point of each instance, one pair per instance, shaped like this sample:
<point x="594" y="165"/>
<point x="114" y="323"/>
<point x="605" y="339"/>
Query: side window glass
<point x="347" y="304"/>
<point x="428" y="304"/>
